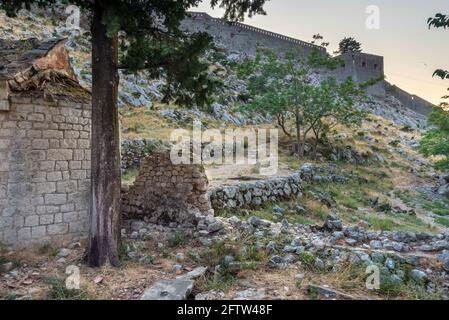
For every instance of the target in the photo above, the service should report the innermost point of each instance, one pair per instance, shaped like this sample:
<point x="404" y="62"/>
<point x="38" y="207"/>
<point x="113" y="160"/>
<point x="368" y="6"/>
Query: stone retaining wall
<point x="44" y="170"/>
<point x="256" y="193"/>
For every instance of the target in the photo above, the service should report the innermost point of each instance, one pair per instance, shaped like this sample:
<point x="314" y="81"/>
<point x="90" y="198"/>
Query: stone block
<point x="55" y="199"/>
<point x="32" y="221"/>
<point x="57" y="229"/>
<point x="66" y="186"/>
<point x="59" y="154"/>
<point x="38" y="232"/>
<point x="46" y="219"/>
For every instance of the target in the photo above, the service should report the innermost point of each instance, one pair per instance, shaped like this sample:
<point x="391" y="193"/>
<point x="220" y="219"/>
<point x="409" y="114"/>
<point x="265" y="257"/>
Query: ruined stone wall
<point x="167" y="193"/>
<point x="44" y="170"/>
<point x="239" y="37"/>
<point x="255" y="194"/>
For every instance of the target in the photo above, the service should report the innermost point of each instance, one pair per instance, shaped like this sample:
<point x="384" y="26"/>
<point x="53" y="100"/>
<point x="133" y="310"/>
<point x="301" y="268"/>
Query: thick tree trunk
<point x="105" y="192"/>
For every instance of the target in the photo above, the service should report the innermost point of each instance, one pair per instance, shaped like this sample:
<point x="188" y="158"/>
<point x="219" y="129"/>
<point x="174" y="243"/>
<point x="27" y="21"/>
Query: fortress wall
<point x="411" y="101"/>
<point x="239" y="37"/>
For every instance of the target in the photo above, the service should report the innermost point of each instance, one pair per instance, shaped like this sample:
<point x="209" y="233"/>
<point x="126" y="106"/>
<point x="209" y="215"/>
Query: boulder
<point x="178" y="289"/>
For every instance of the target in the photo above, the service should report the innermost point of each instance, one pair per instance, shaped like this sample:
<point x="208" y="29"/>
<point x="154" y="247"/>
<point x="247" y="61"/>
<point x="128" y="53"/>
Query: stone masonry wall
<point x="257" y="193"/>
<point x="167" y="193"/>
<point x="44" y="171"/>
<point x="410" y="101"/>
<point x="239" y="37"/>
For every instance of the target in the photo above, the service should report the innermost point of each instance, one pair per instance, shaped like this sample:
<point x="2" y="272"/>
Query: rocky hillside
<point x="368" y="199"/>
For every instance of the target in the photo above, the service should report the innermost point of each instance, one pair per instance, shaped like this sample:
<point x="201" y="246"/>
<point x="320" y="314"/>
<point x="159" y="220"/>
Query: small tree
<point x="318" y="39"/>
<point x="329" y="104"/>
<point x="349" y="44"/>
<point x="281" y="87"/>
<point x="436" y="141"/>
<point x="278" y="86"/>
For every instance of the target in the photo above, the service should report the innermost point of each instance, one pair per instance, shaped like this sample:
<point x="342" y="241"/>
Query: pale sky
<point x="412" y="52"/>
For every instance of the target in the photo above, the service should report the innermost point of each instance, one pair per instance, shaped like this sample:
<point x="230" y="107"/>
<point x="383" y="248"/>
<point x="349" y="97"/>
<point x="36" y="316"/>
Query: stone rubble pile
<point x="331" y="246"/>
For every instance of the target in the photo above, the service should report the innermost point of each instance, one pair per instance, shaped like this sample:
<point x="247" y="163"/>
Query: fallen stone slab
<point x="178" y="289"/>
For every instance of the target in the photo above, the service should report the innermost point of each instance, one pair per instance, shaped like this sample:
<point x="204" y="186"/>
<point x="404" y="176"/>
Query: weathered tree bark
<point x="316" y="142"/>
<point x="281" y="123"/>
<point x="104" y="234"/>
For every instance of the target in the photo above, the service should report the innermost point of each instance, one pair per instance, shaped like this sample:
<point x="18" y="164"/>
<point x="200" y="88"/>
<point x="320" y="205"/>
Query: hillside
<point x="370" y="197"/>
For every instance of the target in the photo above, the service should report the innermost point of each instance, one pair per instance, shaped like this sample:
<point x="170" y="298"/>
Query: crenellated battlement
<point x="239" y="37"/>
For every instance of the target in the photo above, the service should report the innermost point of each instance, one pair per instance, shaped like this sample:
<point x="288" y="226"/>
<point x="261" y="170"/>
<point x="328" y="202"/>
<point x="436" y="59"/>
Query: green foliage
<point x="440" y="21"/>
<point x="436" y="141"/>
<point x="442" y="221"/>
<point x="48" y="249"/>
<point x="349" y="44"/>
<point x="307" y="259"/>
<point x="317" y="59"/>
<point x="383" y="224"/>
<point x="176" y="240"/>
<point x="281" y="87"/>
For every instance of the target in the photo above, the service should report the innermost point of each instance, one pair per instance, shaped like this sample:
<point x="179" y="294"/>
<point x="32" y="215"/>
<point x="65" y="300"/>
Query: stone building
<point x="45" y="118"/>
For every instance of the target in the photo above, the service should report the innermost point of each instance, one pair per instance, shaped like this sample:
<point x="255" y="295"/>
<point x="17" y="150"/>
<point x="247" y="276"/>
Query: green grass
<point x="265" y="212"/>
<point x="438" y="207"/>
<point x="218" y="282"/>
<point x="129" y="176"/>
<point x="48" y="249"/>
<point x="246" y="254"/>
<point x="383" y="224"/>
<point x="135" y="127"/>
<point x="442" y="221"/>
<point x="2" y="254"/>
<point x="307" y="259"/>
<point x="59" y="291"/>
<point x="350" y="202"/>
<point x="391" y="289"/>
<point x="176" y="240"/>
<point x="291" y="161"/>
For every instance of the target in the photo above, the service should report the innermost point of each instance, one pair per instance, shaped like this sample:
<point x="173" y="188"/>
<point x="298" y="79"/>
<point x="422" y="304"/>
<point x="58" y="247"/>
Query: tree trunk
<point x="300" y="143"/>
<point x="104" y="234"/>
<point x="281" y="123"/>
<point x="316" y="142"/>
